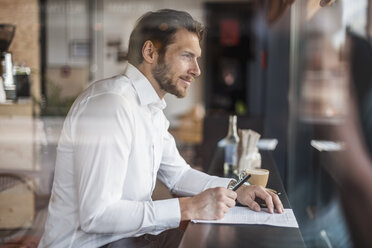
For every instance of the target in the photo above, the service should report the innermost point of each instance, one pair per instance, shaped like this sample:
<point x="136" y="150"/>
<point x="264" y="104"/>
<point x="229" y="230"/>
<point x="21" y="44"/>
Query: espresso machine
<point x="6" y="65"/>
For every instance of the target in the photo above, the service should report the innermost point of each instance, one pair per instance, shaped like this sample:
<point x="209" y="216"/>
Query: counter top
<point x="220" y="235"/>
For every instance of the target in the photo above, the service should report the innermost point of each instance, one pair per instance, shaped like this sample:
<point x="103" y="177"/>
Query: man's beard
<point x="165" y="82"/>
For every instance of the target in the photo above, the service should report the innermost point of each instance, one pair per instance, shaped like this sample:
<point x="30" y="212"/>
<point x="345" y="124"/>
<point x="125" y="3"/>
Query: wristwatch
<point x="232" y="183"/>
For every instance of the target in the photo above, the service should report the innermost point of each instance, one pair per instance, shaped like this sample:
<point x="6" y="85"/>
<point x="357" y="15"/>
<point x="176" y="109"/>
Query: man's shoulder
<point x="119" y="84"/>
<point x="115" y="91"/>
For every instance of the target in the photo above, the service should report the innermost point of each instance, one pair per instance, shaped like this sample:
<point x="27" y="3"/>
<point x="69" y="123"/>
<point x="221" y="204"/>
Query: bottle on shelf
<point x="231" y="142"/>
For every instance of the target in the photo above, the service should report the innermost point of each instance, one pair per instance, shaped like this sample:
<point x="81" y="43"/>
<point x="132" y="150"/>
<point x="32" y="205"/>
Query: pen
<point x="240" y="183"/>
<point x="274" y="191"/>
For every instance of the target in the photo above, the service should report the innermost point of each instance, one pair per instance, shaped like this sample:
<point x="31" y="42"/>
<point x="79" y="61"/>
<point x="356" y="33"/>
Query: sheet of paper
<point x="243" y="215"/>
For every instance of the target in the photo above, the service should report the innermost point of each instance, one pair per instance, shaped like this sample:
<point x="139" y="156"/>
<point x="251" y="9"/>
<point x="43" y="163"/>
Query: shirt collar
<point x="146" y="93"/>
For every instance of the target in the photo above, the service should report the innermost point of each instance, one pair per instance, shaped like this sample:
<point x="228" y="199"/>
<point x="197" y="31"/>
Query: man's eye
<point x="189" y="56"/>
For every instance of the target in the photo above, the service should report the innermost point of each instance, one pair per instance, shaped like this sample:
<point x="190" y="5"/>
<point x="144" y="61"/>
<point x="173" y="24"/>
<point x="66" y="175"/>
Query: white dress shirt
<point x="113" y="145"/>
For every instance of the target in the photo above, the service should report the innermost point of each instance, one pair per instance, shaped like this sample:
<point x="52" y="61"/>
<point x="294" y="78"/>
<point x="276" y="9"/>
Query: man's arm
<point x="210" y="191"/>
<point x="102" y="144"/>
<point x="179" y="177"/>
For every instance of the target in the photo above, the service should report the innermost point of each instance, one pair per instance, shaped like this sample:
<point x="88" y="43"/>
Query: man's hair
<point x="159" y="27"/>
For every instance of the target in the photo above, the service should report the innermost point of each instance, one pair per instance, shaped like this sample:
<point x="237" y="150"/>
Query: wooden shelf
<point x="23" y="107"/>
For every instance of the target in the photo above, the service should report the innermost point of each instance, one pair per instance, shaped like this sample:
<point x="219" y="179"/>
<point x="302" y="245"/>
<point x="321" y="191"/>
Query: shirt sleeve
<point x="102" y="145"/>
<point x="179" y="177"/>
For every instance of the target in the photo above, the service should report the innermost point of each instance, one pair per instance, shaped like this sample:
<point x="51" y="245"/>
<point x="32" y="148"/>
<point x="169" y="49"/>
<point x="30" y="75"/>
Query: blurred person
<point x="352" y="172"/>
<point x="115" y="143"/>
<point x="352" y="168"/>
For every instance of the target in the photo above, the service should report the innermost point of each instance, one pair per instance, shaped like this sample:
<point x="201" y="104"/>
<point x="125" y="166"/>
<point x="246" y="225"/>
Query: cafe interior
<point x="297" y="73"/>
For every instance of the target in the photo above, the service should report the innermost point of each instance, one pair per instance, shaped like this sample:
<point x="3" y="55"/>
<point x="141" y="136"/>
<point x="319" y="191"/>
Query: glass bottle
<point x="231" y="142"/>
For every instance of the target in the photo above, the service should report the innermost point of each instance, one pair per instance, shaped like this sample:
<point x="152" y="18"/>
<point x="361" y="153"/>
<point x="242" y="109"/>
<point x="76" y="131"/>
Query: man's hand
<point x="211" y="204"/>
<point x="248" y="194"/>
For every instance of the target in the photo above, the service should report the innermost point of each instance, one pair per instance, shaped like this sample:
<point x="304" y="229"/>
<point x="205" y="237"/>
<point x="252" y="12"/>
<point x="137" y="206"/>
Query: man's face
<point x="177" y="69"/>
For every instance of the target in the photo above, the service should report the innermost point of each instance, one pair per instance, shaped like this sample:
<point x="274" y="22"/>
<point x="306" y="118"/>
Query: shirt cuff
<point x="168" y="214"/>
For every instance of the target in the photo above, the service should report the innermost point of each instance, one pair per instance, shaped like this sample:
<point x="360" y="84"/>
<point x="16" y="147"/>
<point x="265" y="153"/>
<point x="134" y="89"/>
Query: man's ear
<point x="149" y="52"/>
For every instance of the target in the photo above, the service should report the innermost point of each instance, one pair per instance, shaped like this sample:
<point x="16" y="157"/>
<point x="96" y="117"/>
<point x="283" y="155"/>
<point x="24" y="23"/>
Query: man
<point x="115" y="142"/>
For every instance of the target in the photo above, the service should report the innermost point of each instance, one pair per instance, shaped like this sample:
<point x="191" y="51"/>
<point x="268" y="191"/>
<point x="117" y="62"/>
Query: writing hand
<point x="211" y="204"/>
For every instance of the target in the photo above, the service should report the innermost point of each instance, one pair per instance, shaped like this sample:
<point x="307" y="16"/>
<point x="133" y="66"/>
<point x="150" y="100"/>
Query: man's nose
<point x="195" y="70"/>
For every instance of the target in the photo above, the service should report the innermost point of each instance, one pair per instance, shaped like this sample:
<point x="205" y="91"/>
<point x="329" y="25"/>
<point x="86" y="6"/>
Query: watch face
<point x="232" y="184"/>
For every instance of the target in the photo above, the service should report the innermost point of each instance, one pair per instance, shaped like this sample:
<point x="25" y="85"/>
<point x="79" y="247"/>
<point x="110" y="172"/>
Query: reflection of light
<point x="354" y="15"/>
<point x="338" y="39"/>
<point x="229" y="79"/>
<point x="329" y="112"/>
<point x="226" y="235"/>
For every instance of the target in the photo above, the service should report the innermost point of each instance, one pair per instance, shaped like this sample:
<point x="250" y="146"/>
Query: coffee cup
<point x="258" y="176"/>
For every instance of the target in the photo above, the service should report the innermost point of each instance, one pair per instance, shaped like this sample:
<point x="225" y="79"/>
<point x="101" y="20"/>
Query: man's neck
<point x="146" y="70"/>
